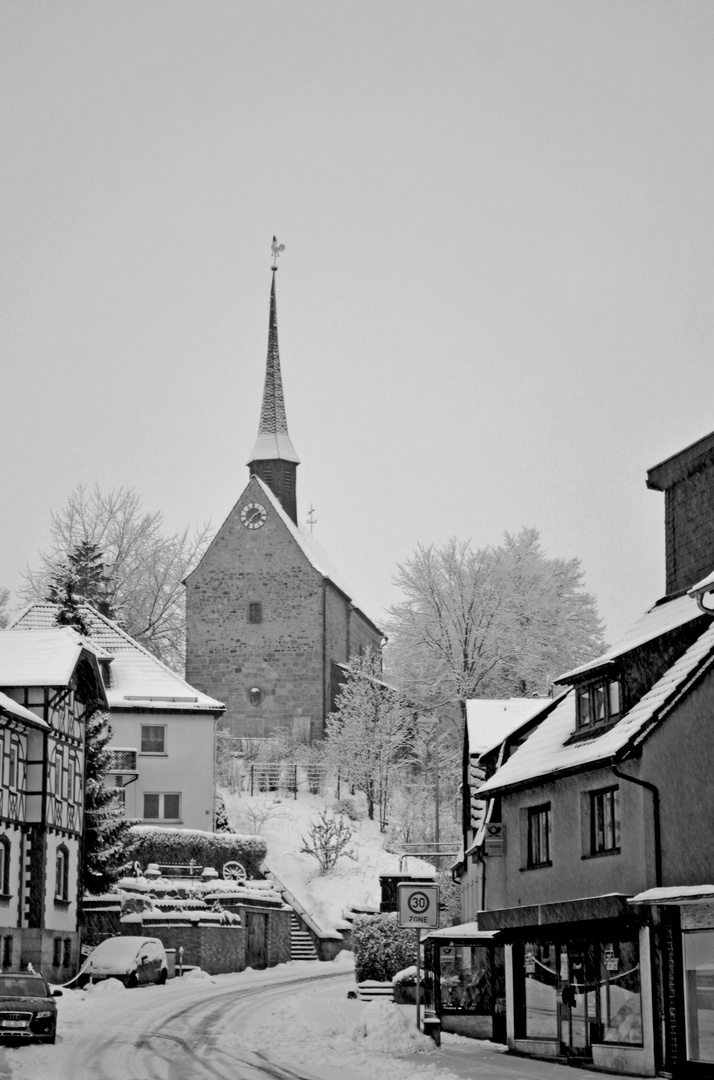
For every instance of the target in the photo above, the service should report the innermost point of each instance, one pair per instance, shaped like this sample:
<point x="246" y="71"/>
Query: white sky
<point x="495" y="300"/>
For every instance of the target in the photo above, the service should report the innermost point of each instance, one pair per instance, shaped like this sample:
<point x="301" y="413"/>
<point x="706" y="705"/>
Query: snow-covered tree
<point x="329" y="838"/>
<point x="127" y="563"/>
<point x="4" y="601"/>
<point x="371" y="734"/>
<point x="105" y="839"/>
<point x="493" y="622"/>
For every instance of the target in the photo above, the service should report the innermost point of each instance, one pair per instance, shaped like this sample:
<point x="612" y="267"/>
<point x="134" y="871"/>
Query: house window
<point x="4" y="866"/>
<point x="7" y="951"/>
<point x="67" y="952"/>
<point x="255" y="613"/>
<point x="62" y="874"/>
<point x="153" y="738"/>
<point x="162" y="807"/>
<point x="598" y="704"/>
<point x="539" y="835"/>
<point x="604" y="821"/>
<point x="12" y="768"/>
<point x="57" y="954"/>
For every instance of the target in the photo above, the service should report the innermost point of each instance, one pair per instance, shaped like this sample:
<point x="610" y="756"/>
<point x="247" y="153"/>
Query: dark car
<point x="134" y="960"/>
<point x="27" y="1007"/>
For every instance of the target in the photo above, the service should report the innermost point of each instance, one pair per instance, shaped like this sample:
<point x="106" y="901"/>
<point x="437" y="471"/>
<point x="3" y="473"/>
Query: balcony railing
<point x="122" y="759"/>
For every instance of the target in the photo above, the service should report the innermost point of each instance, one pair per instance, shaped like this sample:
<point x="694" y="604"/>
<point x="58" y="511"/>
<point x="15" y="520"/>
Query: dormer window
<point x="598" y="704"/>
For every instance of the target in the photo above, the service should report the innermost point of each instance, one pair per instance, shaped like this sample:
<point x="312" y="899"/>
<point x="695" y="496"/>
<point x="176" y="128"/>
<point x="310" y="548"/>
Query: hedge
<point x="381" y="948"/>
<point x="176" y="847"/>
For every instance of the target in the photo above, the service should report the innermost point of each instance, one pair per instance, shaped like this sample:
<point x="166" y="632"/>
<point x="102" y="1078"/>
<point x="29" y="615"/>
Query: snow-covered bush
<point x="348" y="807"/>
<point x="381" y="948"/>
<point x="177" y="847"/>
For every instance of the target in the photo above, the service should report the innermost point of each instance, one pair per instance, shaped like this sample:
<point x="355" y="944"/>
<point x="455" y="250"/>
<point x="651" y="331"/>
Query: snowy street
<point x="293" y="1022"/>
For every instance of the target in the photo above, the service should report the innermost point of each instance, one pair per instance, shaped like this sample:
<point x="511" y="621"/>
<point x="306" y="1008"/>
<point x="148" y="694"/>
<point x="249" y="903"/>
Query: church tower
<point x="269" y="621"/>
<point x="274" y="459"/>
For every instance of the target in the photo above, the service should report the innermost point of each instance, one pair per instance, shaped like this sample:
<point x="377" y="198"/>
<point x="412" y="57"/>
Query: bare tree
<point x="494" y="622"/>
<point x="371" y="734"/>
<point x="144" y="566"/>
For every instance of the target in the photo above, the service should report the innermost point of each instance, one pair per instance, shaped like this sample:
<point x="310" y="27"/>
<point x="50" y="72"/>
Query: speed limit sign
<point x="418" y="906"/>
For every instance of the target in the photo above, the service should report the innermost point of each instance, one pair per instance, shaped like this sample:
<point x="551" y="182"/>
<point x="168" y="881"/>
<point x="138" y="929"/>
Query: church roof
<point x="313" y="552"/>
<point x="273" y="441"/>
<point x="138" y="679"/>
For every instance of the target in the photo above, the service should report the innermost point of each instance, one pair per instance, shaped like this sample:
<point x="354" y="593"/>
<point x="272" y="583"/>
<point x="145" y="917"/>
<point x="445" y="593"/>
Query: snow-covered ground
<point x="313" y="1027"/>
<point x="284" y="821"/>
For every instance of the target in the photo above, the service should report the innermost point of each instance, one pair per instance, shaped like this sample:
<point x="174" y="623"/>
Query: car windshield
<point x="22" y="986"/>
<point x="117" y="949"/>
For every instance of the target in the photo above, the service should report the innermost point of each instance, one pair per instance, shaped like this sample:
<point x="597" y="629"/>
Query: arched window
<point x="4" y="865"/>
<point x="62" y="874"/>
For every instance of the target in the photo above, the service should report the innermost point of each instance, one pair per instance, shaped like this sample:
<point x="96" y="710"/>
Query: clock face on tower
<point x="253" y="515"/>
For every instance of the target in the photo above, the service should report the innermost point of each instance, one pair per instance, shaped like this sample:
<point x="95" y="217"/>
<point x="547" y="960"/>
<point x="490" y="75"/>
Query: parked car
<point x="134" y="960"/>
<point x="27" y="1007"/>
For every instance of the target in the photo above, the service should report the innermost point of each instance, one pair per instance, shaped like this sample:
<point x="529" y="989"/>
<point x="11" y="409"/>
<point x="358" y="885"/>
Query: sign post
<point x="418" y="907"/>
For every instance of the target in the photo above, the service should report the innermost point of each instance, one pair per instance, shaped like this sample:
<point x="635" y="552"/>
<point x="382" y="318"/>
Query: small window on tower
<point x="255" y="613"/>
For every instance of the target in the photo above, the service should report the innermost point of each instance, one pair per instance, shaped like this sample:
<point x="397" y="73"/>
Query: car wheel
<point x="163" y="975"/>
<point x="132" y="981"/>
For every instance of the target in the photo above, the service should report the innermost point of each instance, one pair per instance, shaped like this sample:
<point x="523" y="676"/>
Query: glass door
<point x="578" y="1003"/>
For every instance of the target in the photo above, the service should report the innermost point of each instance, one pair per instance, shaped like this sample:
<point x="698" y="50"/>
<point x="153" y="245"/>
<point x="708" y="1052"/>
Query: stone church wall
<point x="281" y="656"/>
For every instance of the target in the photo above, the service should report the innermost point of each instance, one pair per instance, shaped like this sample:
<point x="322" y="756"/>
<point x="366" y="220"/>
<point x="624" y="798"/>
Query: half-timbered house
<point x="51" y="681"/>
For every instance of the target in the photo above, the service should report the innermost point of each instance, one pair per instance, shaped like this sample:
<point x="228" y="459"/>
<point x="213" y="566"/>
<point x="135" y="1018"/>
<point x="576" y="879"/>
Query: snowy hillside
<point x="282" y="821"/>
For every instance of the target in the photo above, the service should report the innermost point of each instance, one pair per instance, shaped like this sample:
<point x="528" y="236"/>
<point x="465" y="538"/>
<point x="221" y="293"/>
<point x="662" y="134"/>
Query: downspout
<point x="324" y="655"/>
<point x="655" y="815"/>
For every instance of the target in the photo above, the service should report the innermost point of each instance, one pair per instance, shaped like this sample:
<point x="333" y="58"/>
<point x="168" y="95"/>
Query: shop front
<point x="578" y="982"/>
<point x="684" y="918"/>
<point x="464" y="983"/>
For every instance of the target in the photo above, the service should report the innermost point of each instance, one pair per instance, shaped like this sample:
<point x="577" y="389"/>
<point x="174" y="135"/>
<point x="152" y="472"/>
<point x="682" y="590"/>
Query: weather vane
<point x="277" y="249"/>
<point x="311" y="519"/>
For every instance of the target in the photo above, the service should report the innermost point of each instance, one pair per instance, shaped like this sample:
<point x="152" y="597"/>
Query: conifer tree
<point x="105" y="838"/>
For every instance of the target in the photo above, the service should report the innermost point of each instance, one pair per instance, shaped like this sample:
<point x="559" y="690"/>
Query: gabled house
<point x="50" y="681"/>
<point x="602" y="889"/>
<point x="163" y="729"/>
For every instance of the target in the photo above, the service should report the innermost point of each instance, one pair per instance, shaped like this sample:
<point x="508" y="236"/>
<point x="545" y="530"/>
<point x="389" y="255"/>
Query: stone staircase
<point x="301" y="944"/>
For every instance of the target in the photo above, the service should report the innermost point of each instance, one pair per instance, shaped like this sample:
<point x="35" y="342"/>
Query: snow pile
<point x="105" y="986"/>
<point x="388" y="1030"/>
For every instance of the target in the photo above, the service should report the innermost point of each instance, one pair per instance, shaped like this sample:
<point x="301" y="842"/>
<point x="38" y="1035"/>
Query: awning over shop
<point x="678" y="894"/>
<point x="587" y="909"/>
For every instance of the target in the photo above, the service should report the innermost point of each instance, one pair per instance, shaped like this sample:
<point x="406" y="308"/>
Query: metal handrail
<point x="292" y="901"/>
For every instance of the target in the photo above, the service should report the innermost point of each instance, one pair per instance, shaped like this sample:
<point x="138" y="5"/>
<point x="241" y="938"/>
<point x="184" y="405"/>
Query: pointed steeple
<point x="274" y="459"/>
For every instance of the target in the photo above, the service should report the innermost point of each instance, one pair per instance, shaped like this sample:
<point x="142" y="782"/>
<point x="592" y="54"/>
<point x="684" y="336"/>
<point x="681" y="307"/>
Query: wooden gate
<point x="256" y="938"/>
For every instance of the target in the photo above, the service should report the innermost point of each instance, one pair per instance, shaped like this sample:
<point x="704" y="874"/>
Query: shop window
<point x="538" y="835"/>
<point x="537" y="1011"/>
<point x="62" y="874"/>
<point x="597" y="705"/>
<point x="466" y="979"/>
<point x="620" y="1002"/>
<point x="162" y="807"/>
<point x="7" y="951"/>
<point x="605" y="821"/>
<point x="698" y="950"/>
<point x="67" y="952"/>
<point x="57" y="952"/>
<point x="153" y="739"/>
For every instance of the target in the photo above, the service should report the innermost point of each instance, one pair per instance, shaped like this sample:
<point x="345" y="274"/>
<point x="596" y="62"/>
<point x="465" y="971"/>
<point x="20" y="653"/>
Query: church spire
<point x="274" y="459"/>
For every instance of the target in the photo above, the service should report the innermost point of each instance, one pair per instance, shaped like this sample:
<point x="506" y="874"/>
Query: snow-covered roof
<point x="657" y="621"/>
<point x="7" y="705"/>
<point x="548" y="750"/>
<point x="676" y="894"/>
<point x="274" y="444"/>
<point x="491" y="720"/>
<point x="48" y="658"/>
<point x="310" y="548"/>
<point x="463" y="930"/>
<point x="138" y="679"/>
